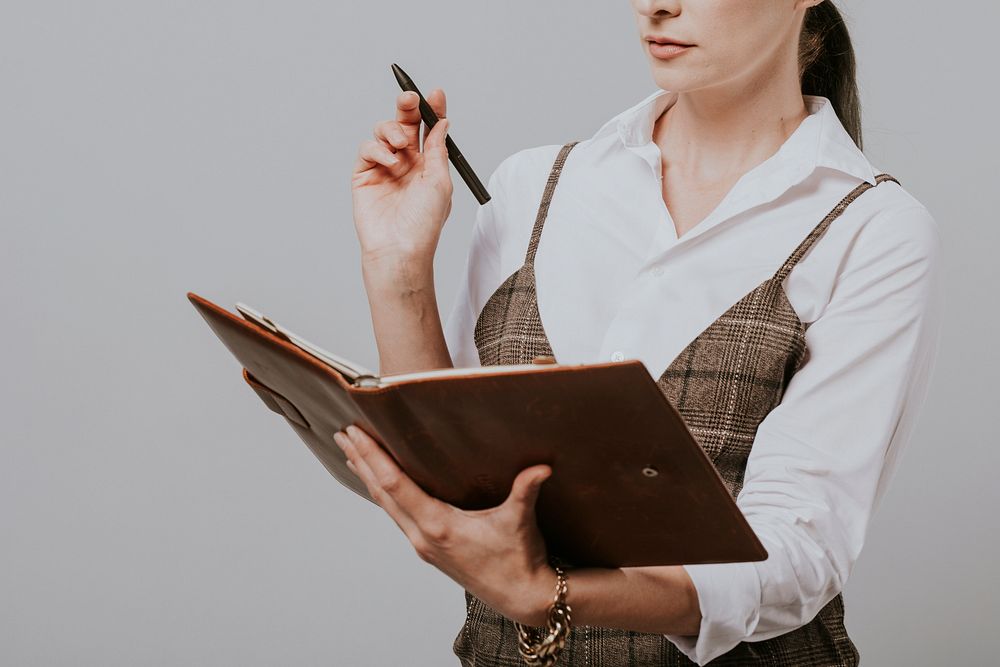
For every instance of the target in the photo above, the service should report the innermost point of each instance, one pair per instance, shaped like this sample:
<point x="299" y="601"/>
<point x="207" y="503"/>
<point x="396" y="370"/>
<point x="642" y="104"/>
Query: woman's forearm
<point x="648" y="599"/>
<point x="660" y="600"/>
<point x="405" y="317"/>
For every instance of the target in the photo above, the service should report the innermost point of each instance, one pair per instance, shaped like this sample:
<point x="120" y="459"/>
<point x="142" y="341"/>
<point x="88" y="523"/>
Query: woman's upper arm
<point x="821" y="458"/>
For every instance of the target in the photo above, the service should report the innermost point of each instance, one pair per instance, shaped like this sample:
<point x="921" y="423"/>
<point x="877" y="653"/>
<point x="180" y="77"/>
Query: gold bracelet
<point x="540" y="647"/>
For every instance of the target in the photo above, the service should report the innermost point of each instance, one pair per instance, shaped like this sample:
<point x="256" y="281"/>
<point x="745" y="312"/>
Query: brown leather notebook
<point x="630" y="486"/>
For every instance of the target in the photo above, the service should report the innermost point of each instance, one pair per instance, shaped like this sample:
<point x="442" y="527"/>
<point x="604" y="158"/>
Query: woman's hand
<point x="402" y="196"/>
<point x="497" y="554"/>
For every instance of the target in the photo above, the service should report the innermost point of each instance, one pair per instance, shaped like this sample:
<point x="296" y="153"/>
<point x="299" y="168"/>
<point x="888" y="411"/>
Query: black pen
<point x="430" y="119"/>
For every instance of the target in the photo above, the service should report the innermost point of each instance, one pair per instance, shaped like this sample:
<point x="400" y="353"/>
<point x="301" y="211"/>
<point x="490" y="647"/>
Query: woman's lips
<point x="664" y="51"/>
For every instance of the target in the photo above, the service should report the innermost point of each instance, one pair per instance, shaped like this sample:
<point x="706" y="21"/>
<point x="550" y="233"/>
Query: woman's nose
<point x="657" y="9"/>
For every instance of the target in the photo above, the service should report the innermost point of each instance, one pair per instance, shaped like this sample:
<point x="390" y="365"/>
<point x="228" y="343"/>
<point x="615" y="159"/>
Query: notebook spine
<point x="366" y="381"/>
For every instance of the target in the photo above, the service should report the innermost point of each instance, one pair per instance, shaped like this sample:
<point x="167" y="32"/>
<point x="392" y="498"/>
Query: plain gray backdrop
<point x="153" y="512"/>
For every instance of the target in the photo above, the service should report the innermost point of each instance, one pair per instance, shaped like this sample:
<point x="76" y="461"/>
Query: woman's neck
<point x="711" y="135"/>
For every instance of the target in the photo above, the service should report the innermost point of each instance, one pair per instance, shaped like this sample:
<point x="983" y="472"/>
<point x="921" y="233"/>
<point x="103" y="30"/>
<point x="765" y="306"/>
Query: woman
<point x="728" y="231"/>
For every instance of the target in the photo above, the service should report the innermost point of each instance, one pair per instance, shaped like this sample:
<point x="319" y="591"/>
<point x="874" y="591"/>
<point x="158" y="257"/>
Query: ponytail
<point x="827" y="65"/>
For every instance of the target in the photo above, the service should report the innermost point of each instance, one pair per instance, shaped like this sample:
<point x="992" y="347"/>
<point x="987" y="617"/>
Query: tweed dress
<point x="723" y="384"/>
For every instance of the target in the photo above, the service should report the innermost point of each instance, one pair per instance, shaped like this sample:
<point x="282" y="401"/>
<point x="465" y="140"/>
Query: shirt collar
<point x="820" y="140"/>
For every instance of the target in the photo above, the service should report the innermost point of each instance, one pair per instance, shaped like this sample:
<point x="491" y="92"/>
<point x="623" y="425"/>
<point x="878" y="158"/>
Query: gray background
<point x="153" y="512"/>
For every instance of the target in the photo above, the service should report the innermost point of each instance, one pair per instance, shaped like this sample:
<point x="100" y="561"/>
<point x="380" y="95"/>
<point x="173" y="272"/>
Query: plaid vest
<point x="723" y="384"/>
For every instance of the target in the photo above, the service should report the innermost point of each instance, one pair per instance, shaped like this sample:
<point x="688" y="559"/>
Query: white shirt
<point x="614" y="282"/>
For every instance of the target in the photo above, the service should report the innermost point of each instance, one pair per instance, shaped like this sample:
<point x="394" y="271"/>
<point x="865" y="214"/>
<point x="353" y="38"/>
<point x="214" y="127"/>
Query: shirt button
<point x="617" y="355"/>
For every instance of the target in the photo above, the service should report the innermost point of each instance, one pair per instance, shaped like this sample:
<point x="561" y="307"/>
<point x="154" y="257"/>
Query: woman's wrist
<point x="535" y="596"/>
<point x="405" y="314"/>
<point x="404" y="277"/>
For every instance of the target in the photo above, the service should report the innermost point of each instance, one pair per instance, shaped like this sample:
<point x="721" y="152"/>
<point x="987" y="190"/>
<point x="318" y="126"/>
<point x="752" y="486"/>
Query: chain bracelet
<point x="540" y="647"/>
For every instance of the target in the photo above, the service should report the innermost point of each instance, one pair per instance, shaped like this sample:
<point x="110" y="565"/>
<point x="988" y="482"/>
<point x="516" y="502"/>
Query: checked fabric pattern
<point x="723" y="384"/>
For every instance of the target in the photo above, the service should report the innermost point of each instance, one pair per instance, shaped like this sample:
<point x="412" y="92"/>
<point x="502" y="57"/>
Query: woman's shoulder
<point x="525" y="165"/>
<point x="896" y="216"/>
<point x="519" y="180"/>
<point x="887" y="231"/>
<point x="516" y="188"/>
<point x="529" y="167"/>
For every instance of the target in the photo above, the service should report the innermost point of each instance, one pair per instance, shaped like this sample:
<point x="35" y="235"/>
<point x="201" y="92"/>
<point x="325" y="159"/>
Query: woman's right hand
<point x="402" y="196"/>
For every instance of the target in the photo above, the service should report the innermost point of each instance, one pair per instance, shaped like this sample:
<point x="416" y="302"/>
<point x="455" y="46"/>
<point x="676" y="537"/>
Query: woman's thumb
<point x="527" y="486"/>
<point x="435" y="148"/>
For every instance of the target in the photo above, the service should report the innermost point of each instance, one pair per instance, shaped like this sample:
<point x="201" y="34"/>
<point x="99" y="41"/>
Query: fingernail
<point x="393" y="159"/>
<point x="338" y="438"/>
<point x="352" y="430"/>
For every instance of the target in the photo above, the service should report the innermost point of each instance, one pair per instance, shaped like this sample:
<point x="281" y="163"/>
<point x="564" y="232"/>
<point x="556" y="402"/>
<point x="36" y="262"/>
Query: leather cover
<point x="630" y="485"/>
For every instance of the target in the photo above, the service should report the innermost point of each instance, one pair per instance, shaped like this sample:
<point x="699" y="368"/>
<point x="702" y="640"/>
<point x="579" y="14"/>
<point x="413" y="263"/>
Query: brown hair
<point x="827" y="66"/>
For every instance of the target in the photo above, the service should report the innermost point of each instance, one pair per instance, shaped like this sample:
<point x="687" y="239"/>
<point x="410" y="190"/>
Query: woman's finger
<point x="391" y="134"/>
<point x="436" y="153"/>
<point x="372" y="153"/>
<point x="439" y="103"/>
<point x="407" y="494"/>
<point x="408" y="116"/>
<point x="384" y="499"/>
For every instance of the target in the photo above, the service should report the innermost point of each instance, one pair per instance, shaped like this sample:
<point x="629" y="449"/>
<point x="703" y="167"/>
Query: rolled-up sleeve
<point x="480" y="273"/>
<point x="821" y="459"/>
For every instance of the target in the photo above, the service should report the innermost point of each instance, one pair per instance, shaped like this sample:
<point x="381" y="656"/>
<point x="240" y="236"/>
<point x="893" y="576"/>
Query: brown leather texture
<point x="630" y="485"/>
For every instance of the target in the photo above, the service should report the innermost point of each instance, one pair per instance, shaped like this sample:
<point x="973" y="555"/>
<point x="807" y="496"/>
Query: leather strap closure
<point x="276" y="401"/>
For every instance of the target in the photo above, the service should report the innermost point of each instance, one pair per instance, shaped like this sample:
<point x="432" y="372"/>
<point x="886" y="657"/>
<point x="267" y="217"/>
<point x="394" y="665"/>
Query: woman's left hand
<point x="497" y="554"/>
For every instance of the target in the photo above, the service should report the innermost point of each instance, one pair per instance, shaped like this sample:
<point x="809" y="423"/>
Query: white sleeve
<point x="480" y="275"/>
<point x="821" y="459"/>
